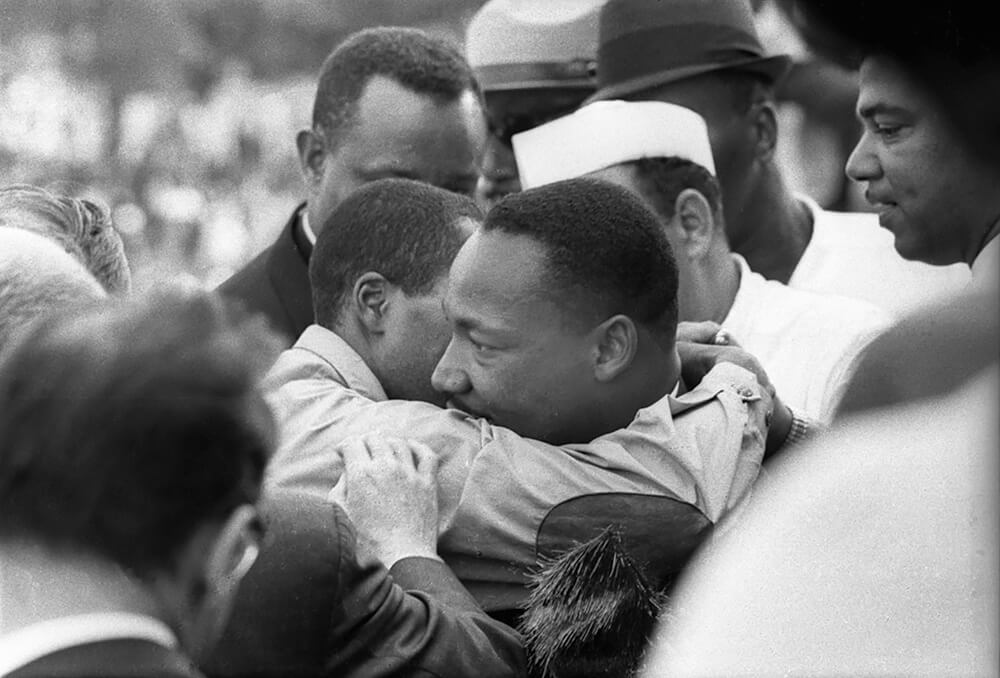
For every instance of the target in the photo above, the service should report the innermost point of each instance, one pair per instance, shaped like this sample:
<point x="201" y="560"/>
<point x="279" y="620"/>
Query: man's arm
<point x="704" y="345"/>
<point x="318" y="602"/>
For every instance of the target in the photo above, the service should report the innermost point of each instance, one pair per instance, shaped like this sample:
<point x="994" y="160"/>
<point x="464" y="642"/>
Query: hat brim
<point x="773" y="67"/>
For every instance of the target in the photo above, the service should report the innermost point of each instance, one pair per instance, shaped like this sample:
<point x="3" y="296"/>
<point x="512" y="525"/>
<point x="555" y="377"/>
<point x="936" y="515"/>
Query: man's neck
<point x="37" y="585"/>
<point x="712" y="286"/>
<point x="777" y="228"/>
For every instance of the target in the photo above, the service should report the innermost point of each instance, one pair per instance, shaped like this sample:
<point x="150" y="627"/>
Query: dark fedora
<point x="647" y="43"/>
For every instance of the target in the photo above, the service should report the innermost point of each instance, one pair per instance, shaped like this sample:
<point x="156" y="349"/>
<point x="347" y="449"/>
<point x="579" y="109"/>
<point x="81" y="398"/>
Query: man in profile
<point x="391" y="102"/>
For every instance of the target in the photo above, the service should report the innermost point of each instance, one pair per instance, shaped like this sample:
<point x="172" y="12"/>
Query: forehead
<point x="393" y="124"/>
<point x="496" y="274"/>
<point x="882" y="83"/>
<point x="621" y="175"/>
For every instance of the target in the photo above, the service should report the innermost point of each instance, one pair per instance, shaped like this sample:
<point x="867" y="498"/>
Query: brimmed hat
<point x="647" y="43"/>
<point x="530" y="44"/>
<point x="607" y="133"/>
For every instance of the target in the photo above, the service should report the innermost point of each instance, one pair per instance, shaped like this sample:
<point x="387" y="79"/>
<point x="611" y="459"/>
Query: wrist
<point x="390" y="558"/>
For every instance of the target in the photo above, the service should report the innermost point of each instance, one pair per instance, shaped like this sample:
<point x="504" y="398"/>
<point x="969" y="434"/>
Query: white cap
<point x="527" y="44"/>
<point x="607" y="133"/>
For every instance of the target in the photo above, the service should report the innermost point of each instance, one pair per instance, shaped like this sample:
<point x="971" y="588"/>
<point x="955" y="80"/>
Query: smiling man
<point x="391" y="102"/>
<point x="939" y="200"/>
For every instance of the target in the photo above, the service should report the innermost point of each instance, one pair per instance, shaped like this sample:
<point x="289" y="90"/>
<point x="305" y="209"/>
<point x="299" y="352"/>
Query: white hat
<point x="528" y="44"/>
<point x="607" y="133"/>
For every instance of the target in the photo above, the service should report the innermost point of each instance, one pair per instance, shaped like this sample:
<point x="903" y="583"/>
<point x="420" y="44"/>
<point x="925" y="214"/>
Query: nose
<point x="862" y="164"/>
<point x="448" y="376"/>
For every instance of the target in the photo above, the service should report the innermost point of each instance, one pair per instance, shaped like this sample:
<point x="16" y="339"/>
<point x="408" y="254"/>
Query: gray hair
<point x="82" y="227"/>
<point x="38" y="278"/>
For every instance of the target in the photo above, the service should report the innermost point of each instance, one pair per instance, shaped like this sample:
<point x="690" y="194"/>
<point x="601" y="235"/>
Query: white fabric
<point x="307" y="228"/>
<point x="986" y="267"/>
<point x="873" y="552"/>
<point x="809" y="344"/>
<point x="23" y="646"/>
<point x="528" y="31"/>
<point x="607" y="133"/>
<point x="851" y="255"/>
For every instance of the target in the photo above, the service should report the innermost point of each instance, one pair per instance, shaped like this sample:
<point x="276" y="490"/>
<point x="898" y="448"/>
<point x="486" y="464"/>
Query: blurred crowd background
<point x="180" y="115"/>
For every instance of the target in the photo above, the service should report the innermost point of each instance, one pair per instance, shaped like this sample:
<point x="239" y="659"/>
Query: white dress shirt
<point x="809" y="344"/>
<point x="23" y="646"/>
<point x="851" y="255"/>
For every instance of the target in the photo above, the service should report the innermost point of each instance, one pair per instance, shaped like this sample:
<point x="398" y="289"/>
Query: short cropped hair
<point x="407" y="231"/>
<point x="417" y="61"/>
<point x="125" y="429"/>
<point x="599" y="239"/>
<point x="82" y="227"/>
<point x="38" y="278"/>
<point x="661" y="180"/>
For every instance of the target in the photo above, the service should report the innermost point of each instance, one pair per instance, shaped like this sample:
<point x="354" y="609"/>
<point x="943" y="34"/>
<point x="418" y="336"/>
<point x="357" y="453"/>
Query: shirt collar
<point x="23" y="646"/>
<point x="345" y="360"/>
<point x="307" y="227"/>
<point x="742" y="310"/>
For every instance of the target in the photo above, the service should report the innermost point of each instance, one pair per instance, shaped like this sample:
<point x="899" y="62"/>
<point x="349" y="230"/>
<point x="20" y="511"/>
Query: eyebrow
<point x="871" y="110"/>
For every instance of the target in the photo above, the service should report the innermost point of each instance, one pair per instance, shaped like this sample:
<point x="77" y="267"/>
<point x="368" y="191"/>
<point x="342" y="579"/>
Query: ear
<point x="234" y="550"/>
<point x="199" y="592"/>
<point x="312" y="154"/>
<point x="765" y="126"/>
<point x="616" y="346"/>
<point x="370" y="299"/>
<point x="694" y="222"/>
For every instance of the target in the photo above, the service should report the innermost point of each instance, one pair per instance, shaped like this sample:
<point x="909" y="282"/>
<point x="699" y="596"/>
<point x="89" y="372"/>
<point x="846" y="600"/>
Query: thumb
<point x="697" y="332"/>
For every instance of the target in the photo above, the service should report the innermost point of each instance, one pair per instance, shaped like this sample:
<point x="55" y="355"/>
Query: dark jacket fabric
<point x="308" y="607"/>
<point x="276" y="282"/>
<point x="120" y="658"/>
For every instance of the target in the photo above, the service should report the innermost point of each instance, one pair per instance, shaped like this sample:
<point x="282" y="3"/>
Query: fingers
<point x="698" y="332"/>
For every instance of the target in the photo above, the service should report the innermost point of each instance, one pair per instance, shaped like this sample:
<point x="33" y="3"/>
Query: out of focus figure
<point x="82" y="227"/>
<point x="534" y="61"/>
<point x="132" y="447"/>
<point x="38" y="278"/>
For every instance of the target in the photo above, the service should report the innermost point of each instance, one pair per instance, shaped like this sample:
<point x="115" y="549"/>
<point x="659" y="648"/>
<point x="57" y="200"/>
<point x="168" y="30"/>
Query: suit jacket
<point x="120" y="658"/>
<point x="308" y="607"/>
<point x="276" y="283"/>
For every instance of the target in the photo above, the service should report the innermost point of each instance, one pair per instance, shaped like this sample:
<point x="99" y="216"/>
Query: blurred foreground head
<point x="591" y="612"/>
<point x="132" y="446"/>
<point x="82" y="227"/>
<point x="37" y="278"/>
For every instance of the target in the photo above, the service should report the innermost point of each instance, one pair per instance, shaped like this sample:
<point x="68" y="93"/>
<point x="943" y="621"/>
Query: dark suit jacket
<point x="308" y="607"/>
<point x="276" y="283"/>
<point x="110" y="659"/>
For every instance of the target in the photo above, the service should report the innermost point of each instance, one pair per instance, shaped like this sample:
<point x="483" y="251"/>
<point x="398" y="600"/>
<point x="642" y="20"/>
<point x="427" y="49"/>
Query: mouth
<point x="883" y="207"/>
<point x="456" y="404"/>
